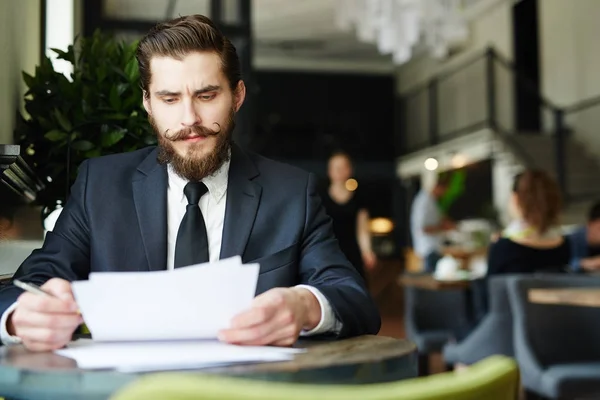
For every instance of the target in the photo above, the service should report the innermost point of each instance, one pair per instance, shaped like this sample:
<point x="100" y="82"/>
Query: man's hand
<point x="448" y="225"/>
<point x="45" y="323"/>
<point x="275" y="318"/>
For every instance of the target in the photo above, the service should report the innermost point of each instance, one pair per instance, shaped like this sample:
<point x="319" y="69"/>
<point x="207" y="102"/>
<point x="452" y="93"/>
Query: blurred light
<point x="458" y="161"/>
<point x="351" y="184"/>
<point x="431" y="164"/>
<point x="381" y="225"/>
<point x="49" y="178"/>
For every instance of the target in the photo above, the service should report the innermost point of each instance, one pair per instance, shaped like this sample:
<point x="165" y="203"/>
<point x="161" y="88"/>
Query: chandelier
<point x="398" y="27"/>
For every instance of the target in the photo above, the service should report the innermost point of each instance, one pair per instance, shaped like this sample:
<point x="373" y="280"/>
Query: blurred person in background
<point x="345" y="204"/>
<point x="533" y="241"/>
<point x="585" y="243"/>
<point x="428" y="223"/>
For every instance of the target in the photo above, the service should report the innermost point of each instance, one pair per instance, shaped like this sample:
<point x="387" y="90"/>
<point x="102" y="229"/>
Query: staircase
<point x="458" y="103"/>
<point x="582" y="170"/>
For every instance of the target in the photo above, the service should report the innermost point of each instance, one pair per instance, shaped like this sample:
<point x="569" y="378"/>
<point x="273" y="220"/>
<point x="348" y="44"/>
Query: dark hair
<point x="182" y="36"/>
<point x="538" y="197"/>
<point x="594" y="212"/>
<point x="341" y="153"/>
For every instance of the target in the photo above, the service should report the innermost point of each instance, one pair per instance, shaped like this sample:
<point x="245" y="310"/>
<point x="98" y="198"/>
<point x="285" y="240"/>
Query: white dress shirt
<point x="212" y="206"/>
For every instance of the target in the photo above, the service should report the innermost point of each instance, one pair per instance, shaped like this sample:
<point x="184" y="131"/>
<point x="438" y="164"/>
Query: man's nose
<point x="190" y="115"/>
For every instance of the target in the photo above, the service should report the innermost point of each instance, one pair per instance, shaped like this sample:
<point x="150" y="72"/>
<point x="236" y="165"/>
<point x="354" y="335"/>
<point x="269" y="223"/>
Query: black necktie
<point x="192" y="242"/>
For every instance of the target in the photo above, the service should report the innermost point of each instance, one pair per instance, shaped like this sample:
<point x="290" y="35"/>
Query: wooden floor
<point x="390" y="299"/>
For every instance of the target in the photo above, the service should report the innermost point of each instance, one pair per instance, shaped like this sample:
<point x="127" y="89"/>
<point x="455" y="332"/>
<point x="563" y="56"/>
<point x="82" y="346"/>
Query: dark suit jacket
<point x="116" y="220"/>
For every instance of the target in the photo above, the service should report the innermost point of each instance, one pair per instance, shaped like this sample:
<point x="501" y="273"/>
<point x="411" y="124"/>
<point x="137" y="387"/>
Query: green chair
<point x="495" y="378"/>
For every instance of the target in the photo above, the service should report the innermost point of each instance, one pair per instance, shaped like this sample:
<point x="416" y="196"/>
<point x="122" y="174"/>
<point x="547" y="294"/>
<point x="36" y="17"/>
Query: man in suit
<point x="196" y="197"/>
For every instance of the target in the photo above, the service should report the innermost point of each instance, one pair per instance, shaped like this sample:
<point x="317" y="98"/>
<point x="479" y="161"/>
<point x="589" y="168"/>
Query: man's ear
<point x="239" y="94"/>
<point x="146" y="102"/>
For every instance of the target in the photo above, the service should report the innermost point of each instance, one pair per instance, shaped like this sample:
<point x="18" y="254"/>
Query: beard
<point x="194" y="166"/>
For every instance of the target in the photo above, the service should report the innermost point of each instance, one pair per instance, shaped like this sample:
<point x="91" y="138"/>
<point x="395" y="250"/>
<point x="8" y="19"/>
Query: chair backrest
<point x="435" y="309"/>
<point x="494" y="333"/>
<point x="554" y="334"/>
<point x="498" y="295"/>
<point x="496" y="378"/>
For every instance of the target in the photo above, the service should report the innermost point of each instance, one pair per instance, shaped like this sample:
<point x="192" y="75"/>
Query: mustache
<point x="194" y="131"/>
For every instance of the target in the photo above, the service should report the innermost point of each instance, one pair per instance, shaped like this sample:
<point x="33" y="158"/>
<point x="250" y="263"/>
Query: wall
<point x="20" y="49"/>
<point x="462" y="96"/>
<point x="570" y="58"/>
<point x="570" y="62"/>
<point x="490" y="27"/>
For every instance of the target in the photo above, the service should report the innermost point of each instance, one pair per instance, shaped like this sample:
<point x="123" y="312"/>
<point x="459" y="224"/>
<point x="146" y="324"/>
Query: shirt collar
<point x="216" y="183"/>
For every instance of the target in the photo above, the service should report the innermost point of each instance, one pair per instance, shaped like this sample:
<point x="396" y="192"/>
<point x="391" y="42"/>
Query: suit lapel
<point x="243" y="197"/>
<point x="150" y="197"/>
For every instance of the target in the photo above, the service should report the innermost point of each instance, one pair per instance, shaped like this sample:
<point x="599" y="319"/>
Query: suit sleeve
<point x="324" y="266"/>
<point x="66" y="250"/>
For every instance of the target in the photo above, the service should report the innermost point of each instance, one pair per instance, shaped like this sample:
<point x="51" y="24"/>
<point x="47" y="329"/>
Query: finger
<point x="254" y="316"/>
<point x="253" y="333"/>
<point x="26" y="318"/>
<point x="262" y="333"/>
<point x="286" y="342"/>
<point x="33" y="345"/>
<point x="51" y="337"/>
<point x="46" y="304"/>
<point x="285" y="336"/>
<point x="272" y="298"/>
<point x="60" y="288"/>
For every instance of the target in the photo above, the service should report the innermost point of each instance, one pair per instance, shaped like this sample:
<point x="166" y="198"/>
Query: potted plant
<point x="97" y="110"/>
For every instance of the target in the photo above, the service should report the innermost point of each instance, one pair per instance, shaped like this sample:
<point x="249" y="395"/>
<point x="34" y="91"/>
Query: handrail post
<point x="559" y="150"/>
<point x="433" y="112"/>
<point x="491" y="88"/>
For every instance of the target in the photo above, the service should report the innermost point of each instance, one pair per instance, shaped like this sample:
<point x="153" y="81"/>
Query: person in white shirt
<point x="428" y="223"/>
<point x="196" y="197"/>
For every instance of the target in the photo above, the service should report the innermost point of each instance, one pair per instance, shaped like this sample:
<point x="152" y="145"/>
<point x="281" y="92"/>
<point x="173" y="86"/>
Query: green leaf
<point x="93" y="153"/>
<point x="29" y="80"/>
<point x="117" y="116"/>
<point x="62" y="120"/>
<point x="119" y="71"/>
<point x="82" y="145"/>
<point x="131" y="70"/>
<point x="111" y="138"/>
<point x="122" y="87"/>
<point x="132" y="102"/>
<point x="114" y="99"/>
<point x="55" y="135"/>
<point x="102" y="73"/>
<point x="65" y="55"/>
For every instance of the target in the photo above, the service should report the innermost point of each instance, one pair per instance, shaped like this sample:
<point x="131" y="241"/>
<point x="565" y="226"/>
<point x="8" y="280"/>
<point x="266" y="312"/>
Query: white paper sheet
<point x="168" y="355"/>
<point x="195" y="302"/>
<point x="167" y="320"/>
<point x="110" y="277"/>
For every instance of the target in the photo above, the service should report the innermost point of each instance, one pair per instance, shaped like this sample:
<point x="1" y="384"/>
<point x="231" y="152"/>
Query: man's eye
<point x="207" y="96"/>
<point x="169" y="101"/>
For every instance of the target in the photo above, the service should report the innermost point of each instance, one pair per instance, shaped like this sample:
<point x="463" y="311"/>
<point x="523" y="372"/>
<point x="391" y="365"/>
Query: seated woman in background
<point x="533" y="241"/>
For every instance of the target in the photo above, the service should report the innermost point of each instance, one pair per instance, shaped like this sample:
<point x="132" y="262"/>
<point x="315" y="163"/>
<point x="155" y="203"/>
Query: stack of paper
<point x="170" y="355"/>
<point x="166" y="319"/>
<point x="186" y="303"/>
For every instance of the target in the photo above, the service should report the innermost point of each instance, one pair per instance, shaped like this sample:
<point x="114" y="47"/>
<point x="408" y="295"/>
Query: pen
<point x="32" y="288"/>
<point x="35" y="289"/>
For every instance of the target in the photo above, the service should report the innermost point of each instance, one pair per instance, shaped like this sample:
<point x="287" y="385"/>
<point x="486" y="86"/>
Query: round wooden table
<point x="361" y="360"/>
